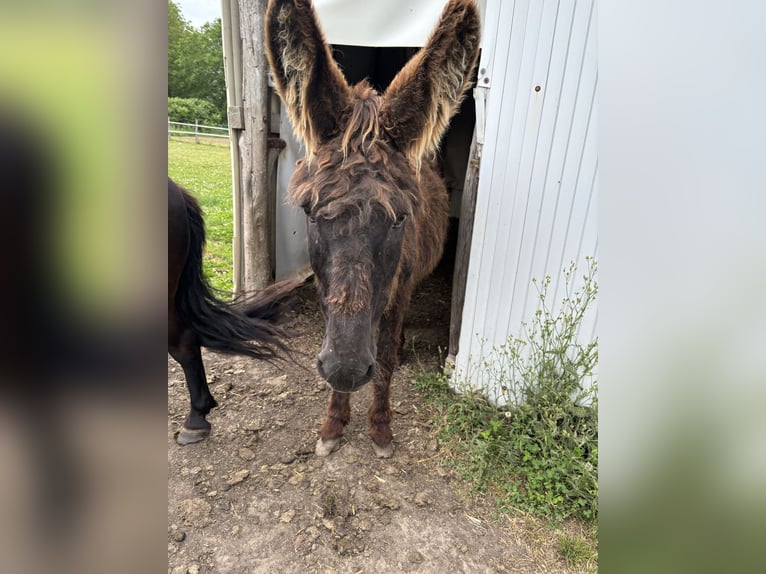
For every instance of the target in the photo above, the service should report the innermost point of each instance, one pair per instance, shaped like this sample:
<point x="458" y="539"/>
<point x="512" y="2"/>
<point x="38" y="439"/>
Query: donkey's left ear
<point x="426" y="93"/>
<point x="307" y="78"/>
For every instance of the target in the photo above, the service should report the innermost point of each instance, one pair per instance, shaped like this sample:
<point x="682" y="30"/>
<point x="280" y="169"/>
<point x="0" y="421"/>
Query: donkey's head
<point x="359" y="183"/>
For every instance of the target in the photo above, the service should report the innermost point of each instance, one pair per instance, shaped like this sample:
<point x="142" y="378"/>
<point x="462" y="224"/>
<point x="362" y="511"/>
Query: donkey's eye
<point x="399" y="221"/>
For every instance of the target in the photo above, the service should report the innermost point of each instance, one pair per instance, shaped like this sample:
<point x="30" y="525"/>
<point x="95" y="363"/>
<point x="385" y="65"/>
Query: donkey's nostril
<point x="368" y="374"/>
<point x="320" y="366"/>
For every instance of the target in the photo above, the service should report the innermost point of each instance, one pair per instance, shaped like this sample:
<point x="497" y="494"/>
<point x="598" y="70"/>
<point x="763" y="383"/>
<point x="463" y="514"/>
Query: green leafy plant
<point x="190" y="110"/>
<point x="538" y="452"/>
<point x="195" y="61"/>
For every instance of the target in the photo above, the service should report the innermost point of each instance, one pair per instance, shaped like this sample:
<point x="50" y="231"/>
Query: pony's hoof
<point x="189" y="436"/>
<point x="325" y="447"/>
<point x="383" y="451"/>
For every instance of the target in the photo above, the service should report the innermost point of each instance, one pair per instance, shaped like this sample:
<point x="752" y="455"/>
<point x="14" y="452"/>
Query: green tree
<point x="195" y="60"/>
<point x="208" y="80"/>
<point x="180" y="33"/>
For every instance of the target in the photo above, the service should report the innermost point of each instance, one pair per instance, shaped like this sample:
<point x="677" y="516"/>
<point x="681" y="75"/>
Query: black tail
<point x="241" y="329"/>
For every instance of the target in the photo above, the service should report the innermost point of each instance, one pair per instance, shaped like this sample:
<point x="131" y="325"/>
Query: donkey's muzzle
<point x="344" y="376"/>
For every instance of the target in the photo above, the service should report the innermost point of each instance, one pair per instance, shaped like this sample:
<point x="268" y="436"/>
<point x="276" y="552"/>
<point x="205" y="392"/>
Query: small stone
<point x="179" y="536"/>
<point x="235" y="530"/>
<point x="287" y="459"/>
<point x="387" y="502"/>
<point x="238" y="477"/>
<point x="422" y="498"/>
<point x="212" y="493"/>
<point x="245" y="453"/>
<point x="196" y="511"/>
<point x="179" y="570"/>
<point x="463" y="548"/>
<point x="195" y="470"/>
<point x="287" y="516"/>
<point x="415" y="557"/>
<point x="295" y="479"/>
<point x="193" y="569"/>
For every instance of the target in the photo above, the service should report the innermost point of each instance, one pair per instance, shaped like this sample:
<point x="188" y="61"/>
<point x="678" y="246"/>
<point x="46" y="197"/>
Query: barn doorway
<point x="433" y="322"/>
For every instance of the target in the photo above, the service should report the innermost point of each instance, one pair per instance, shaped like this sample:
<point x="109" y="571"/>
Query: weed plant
<point x="539" y="452"/>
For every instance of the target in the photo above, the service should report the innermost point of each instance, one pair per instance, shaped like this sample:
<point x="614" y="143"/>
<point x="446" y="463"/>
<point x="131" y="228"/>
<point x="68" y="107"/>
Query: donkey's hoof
<point x="325" y="447"/>
<point x="189" y="436"/>
<point x="383" y="451"/>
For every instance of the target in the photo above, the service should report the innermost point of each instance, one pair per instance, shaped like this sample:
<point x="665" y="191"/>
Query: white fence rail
<point x="197" y="130"/>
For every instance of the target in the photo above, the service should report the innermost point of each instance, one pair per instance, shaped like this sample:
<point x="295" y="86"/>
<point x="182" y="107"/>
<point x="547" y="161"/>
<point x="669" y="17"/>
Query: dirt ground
<point x="253" y="497"/>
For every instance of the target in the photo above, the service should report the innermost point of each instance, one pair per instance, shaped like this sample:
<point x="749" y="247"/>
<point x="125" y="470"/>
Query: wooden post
<point x="465" y="232"/>
<point x="232" y="60"/>
<point x="253" y="143"/>
<point x="196" y="131"/>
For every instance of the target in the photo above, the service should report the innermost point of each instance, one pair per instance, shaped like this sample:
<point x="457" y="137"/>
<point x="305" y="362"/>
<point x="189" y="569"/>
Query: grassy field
<point x="205" y="170"/>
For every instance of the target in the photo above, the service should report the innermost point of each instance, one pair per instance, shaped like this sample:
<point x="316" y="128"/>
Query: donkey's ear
<point x="306" y="76"/>
<point x="423" y="97"/>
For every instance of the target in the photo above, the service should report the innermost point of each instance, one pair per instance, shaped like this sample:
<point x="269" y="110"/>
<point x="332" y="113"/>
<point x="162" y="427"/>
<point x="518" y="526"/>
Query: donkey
<point x="377" y="209"/>
<point x="198" y="318"/>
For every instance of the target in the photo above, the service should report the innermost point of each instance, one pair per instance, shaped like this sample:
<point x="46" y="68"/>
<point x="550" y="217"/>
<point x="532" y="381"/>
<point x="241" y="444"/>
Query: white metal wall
<point x="536" y="200"/>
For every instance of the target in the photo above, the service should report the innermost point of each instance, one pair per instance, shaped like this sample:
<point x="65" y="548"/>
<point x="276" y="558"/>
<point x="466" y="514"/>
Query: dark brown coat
<point x="376" y="208"/>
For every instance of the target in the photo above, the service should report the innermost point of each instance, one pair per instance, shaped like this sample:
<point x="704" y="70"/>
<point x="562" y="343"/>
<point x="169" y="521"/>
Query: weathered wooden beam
<point x="232" y="65"/>
<point x="253" y="144"/>
<point x="465" y="232"/>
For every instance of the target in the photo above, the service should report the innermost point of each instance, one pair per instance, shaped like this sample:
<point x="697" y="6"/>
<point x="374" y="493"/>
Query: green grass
<point x="205" y="170"/>
<point x="538" y="456"/>
<point x="578" y="550"/>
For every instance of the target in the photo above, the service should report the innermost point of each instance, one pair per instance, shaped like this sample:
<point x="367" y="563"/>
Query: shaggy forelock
<point x="358" y="171"/>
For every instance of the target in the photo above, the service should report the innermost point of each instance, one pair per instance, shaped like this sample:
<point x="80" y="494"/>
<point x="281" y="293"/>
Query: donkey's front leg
<point x="389" y="342"/>
<point x="379" y="417"/>
<point x="338" y="415"/>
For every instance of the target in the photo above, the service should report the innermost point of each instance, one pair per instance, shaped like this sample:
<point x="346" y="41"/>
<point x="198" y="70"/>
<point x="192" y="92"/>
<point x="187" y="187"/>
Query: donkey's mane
<point x="363" y="121"/>
<point x="358" y="171"/>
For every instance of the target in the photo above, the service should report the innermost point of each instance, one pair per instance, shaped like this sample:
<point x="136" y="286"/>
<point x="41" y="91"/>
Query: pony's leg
<point x="338" y="415"/>
<point x="187" y="353"/>
<point x="379" y="415"/>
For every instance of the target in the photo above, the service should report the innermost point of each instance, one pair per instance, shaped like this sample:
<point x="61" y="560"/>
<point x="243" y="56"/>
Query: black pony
<point x="197" y="318"/>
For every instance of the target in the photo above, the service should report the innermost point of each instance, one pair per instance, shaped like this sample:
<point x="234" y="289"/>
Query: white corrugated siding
<point x="536" y="200"/>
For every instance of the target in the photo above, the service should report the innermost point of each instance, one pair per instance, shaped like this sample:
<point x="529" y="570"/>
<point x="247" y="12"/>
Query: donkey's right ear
<point x="426" y="93"/>
<point x="307" y="78"/>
